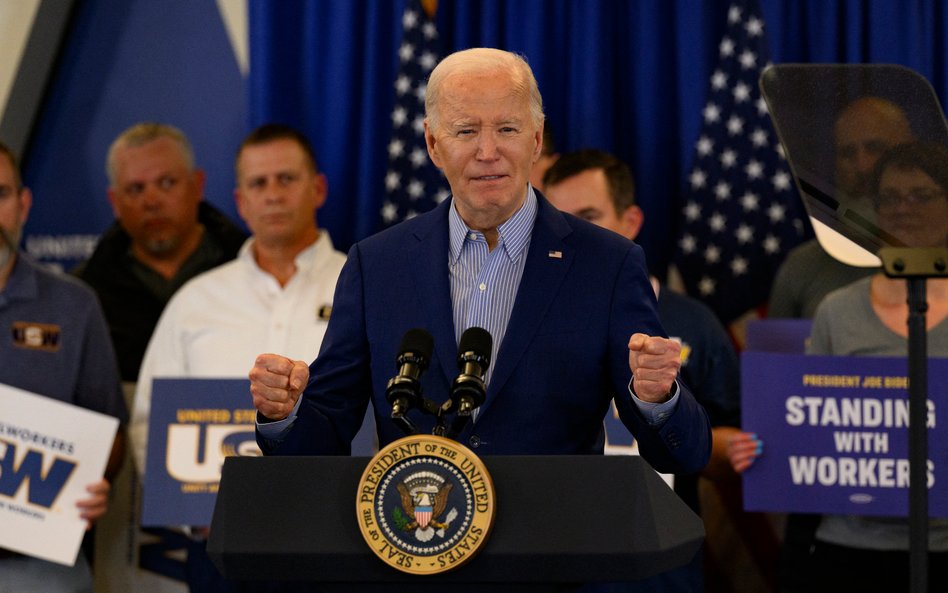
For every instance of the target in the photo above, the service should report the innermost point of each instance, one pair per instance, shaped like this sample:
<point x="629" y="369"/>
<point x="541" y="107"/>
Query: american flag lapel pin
<point x="555" y="254"/>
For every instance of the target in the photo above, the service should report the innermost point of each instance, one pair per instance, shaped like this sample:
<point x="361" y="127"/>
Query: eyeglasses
<point x="890" y="198"/>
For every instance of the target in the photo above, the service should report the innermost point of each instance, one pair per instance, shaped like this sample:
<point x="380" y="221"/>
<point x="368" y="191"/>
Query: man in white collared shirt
<point x="277" y="295"/>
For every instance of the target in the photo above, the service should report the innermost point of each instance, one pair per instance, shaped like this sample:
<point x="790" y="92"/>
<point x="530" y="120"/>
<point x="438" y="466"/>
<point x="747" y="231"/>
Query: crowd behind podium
<point x="172" y="274"/>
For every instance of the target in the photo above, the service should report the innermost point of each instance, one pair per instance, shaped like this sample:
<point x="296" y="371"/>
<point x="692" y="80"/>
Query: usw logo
<point x="190" y="460"/>
<point x="21" y="466"/>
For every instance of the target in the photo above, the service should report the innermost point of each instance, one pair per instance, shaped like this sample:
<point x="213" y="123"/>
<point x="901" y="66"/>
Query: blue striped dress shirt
<point x="484" y="283"/>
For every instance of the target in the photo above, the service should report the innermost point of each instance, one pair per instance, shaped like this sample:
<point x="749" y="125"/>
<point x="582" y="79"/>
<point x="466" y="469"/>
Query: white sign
<point x="49" y="452"/>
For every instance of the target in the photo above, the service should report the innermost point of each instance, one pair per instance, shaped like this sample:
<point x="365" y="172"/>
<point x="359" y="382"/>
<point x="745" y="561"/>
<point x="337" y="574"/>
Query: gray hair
<point x="484" y="59"/>
<point x="141" y="134"/>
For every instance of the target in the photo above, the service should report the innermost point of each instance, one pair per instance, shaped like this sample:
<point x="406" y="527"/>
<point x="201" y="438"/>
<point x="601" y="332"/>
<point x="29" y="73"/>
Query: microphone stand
<point x="916" y="265"/>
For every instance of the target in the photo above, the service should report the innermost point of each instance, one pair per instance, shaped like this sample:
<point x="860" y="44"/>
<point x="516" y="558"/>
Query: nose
<point x="865" y="161"/>
<point x="486" y="148"/>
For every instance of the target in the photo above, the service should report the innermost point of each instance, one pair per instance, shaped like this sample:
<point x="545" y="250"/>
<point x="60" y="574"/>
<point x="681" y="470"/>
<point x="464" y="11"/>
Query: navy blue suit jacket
<point x="564" y="356"/>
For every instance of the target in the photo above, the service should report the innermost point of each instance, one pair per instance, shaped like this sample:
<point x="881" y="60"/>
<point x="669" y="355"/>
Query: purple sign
<point x="835" y="433"/>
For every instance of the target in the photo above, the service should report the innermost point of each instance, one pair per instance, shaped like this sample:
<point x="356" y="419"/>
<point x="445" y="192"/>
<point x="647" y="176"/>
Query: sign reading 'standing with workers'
<point x="835" y="434"/>
<point x="50" y="451"/>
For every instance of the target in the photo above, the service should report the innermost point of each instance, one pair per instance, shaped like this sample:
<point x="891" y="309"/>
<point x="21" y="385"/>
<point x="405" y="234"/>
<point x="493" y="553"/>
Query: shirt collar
<point x="514" y="233"/>
<point x="304" y="259"/>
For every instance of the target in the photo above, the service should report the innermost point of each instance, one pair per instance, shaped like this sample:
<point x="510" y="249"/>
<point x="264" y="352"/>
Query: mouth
<point x="488" y="178"/>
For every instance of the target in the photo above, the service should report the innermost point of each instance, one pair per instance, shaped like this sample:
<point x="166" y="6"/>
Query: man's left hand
<point x="655" y="362"/>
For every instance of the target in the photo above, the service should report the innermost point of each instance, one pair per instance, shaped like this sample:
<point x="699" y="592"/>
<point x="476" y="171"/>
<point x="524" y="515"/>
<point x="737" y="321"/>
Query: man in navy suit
<point x="569" y="305"/>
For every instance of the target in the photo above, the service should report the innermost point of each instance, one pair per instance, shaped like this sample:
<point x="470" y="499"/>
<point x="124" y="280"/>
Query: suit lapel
<point x="548" y="261"/>
<point x="428" y="262"/>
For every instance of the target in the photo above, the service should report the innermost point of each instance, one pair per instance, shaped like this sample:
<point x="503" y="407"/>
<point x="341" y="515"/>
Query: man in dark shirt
<point x="164" y="235"/>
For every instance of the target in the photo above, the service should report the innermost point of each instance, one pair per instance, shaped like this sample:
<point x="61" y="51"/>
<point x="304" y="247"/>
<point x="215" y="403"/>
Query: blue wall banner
<point x="835" y="434"/>
<point x="194" y="424"/>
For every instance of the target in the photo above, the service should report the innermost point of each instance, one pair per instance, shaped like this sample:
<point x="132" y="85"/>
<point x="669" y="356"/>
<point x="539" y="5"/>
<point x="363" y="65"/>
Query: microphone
<point x="404" y="389"/>
<point x="468" y="390"/>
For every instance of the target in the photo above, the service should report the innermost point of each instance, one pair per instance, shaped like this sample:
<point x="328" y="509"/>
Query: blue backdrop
<point x="627" y="76"/>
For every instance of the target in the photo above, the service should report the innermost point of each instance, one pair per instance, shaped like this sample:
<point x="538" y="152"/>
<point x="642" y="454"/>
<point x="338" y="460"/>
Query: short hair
<point x="272" y="132"/>
<point x="14" y="164"/>
<point x="141" y="134"/>
<point x="618" y="175"/>
<point x="932" y="159"/>
<point x="484" y="59"/>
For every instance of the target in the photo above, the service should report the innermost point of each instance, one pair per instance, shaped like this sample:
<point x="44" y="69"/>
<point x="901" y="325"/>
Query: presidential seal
<point x="425" y="504"/>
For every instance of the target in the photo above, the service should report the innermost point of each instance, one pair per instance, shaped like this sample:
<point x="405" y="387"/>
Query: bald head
<point x="864" y="130"/>
<point x="483" y="60"/>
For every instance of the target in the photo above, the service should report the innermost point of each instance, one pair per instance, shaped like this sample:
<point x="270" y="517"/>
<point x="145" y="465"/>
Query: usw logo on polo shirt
<point x="36" y="336"/>
<point x="21" y="466"/>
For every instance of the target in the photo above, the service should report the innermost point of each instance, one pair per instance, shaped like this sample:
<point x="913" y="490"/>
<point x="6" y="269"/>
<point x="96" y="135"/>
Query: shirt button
<point x="475" y="441"/>
<point x="472" y="237"/>
<point x="482" y="287"/>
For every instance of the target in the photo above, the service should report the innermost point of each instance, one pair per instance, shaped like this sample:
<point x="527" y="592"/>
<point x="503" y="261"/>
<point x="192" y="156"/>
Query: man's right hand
<point x="276" y="383"/>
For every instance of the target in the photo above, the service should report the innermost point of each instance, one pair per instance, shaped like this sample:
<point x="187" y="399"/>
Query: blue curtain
<point x="628" y="76"/>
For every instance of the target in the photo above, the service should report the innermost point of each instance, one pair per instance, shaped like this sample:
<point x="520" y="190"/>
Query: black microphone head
<point x="417" y="346"/>
<point x="477" y="341"/>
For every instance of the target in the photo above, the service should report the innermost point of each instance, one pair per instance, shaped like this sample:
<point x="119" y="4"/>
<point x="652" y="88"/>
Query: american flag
<point x="412" y="183"/>
<point x="741" y="211"/>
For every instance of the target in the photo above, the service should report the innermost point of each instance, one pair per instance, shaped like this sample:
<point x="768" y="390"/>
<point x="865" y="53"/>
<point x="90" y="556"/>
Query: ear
<point x="632" y="220"/>
<point x="321" y="189"/>
<point x="113" y="199"/>
<point x="538" y="143"/>
<point x="198" y="178"/>
<point x="26" y="201"/>
<point x="430" y="143"/>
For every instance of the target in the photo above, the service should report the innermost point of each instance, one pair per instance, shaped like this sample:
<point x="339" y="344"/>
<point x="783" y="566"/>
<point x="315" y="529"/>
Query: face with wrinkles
<point x="485" y="141"/>
<point x="155" y="196"/>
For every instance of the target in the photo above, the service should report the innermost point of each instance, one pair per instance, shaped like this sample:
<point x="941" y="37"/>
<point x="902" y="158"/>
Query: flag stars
<point x="704" y="145"/>
<point x="735" y="125"/>
<point x="692" y="211"/>
<point x="726" y="48"/>
<point x="402" y="84"/>
<point x="741" y="92"/>
<point x="712" y="254"/>
<point x="418" y="124"/>
<point x="417" y="157"/>
<point x="749" y="202"/>
<point x="781" y="181"/>
<point x="739" y="266"/>
<point x="406" y="52"/>
<point x="728" y="158"/>
<point x="776" y="213"/>
<point x="697" y="179"/>
<point x="389" y="212"/>
<point x="392" y="181"/>
<point x="717" y="222"/>
<point x="754" y="169"/>
<point x="420" y="92"/>
<point x="718" y="80"/>
<point x="722" y="191"/>
<point x="442" y="195"/>
<point x="754" y="27"/>
<point x="395" y="148"/>
<point x="410" y="19"/>
<point x="706" y="286"/>
<point x="415" y="189"/>
<point x="744" y="234"/>
<point x="399" y="115"/>
<point x="761" y="106"/>
<point x="759" y="138"/>
<point x="687" y="244"/>
<point x="734" y="14"/>
<point x="771" y="244"/>
<point x="711" y="113"/>
<point x="427" y="61"/>
<point x="429" y="31"/>
<point x="748" y="59"/>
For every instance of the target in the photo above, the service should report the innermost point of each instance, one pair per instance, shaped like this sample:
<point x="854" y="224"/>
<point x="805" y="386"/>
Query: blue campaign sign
<point x="194" y="424"/>
<point x="835" y="433"/>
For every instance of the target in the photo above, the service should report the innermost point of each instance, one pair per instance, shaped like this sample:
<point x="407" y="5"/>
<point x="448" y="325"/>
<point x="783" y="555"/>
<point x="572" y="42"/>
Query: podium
<point x="560" y="520"/>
